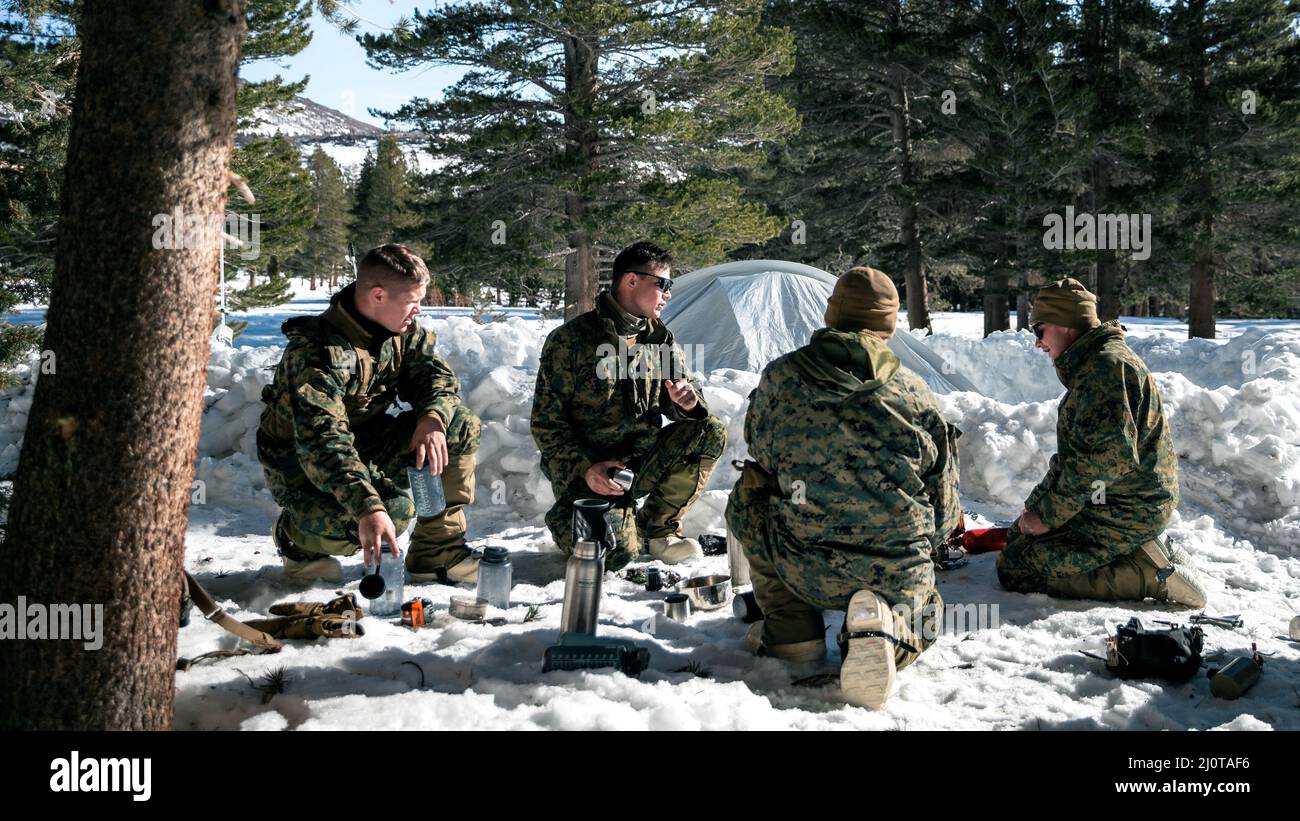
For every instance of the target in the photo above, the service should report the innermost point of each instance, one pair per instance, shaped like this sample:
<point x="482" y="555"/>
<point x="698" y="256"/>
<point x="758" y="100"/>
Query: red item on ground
<point x="984" y="540"/>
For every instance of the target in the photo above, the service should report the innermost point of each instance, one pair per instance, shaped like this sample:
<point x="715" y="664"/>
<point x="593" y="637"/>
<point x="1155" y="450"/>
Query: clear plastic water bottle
<point x="392" y="569"/>
<point x="494" y="577"/>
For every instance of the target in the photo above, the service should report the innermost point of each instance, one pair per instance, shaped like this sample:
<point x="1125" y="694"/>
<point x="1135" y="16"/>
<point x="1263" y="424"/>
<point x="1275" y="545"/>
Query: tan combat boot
<point x="674" y="549"/>
<point x="1168" y="579"/>
<point x="797" y="652"/>
<point x="867" y="674"/>
<point x="300" y="567"/>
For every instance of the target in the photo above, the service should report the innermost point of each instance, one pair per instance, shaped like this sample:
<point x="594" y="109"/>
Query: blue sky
<point x="340" y="78"/>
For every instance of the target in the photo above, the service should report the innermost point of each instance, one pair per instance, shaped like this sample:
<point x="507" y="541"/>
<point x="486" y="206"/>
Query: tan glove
<point x="343" y="604"/>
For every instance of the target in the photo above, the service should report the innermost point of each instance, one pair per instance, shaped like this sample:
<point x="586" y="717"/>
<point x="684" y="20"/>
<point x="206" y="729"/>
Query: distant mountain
<point x="310" y="125"/>
<point x="304" y="119"/>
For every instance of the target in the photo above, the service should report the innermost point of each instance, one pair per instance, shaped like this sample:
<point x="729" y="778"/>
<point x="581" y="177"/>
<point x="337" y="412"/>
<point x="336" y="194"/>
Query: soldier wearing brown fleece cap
<point x="863" y="299"/>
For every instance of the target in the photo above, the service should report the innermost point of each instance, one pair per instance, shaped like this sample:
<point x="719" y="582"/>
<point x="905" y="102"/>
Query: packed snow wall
<point x="1234" y="407"/>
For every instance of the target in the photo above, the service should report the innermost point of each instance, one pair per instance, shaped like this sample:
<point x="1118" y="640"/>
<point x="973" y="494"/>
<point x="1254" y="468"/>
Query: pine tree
<point x="39" y="53"/>
<point x="153" y="118"/>
<point x="1016" y="111"/>
<point x="1110" y="57"/>
<point x="868" y="82"/>
<point x="276" y="29"/>
<point x="40" y="50"/>
<point x="383" y="202"/>
<point x="588" y="122"/>
<point x="1231" y="91"/>
<point x="324" y="254"/>
<point x="282" y="188"/>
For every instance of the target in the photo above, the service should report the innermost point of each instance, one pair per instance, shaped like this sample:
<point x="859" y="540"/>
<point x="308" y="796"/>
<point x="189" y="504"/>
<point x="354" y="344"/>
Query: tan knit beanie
<point x="1066" y="303"/>
<point x="863" y="299"/>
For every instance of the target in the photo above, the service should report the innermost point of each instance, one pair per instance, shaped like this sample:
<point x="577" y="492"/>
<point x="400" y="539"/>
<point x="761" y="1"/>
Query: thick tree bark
<point x="581" y="274"/>
<point x="104" y="482"/>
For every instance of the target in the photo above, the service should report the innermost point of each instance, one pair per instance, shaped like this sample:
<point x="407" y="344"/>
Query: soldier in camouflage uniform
<point x="1091" y="527"/>
<point x="606" y="379"/>
<point x="336" y="461"/>
<point x="852" y="484"/>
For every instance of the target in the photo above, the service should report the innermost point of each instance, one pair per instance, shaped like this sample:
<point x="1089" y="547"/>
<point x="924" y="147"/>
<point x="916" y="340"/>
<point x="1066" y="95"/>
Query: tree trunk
<point x="918" y="311"/>
<point x="1022" y="301"/>
<point x="1200" y="301"/>
<point x="581" y="274"/>
<point x="104" y="481"/>
<point x="995" y="302"/>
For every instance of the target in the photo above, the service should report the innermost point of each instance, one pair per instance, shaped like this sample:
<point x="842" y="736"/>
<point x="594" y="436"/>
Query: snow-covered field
<point x="1235" y="407"/>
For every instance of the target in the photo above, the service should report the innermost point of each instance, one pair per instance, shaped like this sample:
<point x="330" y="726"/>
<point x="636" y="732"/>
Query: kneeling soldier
<point x="852" y="485"/>
<point x="1091" y="529"/>
<point x="335" y="460"/>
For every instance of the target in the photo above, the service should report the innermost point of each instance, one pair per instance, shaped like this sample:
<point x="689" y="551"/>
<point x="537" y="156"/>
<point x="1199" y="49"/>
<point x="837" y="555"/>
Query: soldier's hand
<point x="681" y="392"/>
<point x="598" y="480"/>
<point x="430" y="444"/>
<point x="375" y="528"/>
<point x="1030" y="524"/>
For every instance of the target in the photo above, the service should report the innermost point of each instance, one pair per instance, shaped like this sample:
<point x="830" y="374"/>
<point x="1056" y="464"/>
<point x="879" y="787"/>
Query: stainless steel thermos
<point x="582" y="579"/>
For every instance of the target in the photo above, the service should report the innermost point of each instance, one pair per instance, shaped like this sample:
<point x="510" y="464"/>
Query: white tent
<point x="743" y="315"/>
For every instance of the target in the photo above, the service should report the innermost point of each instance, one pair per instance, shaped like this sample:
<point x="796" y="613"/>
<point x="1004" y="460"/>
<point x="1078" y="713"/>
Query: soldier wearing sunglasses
<point x="1092" y="529"/>
<point x="607" y="379"/>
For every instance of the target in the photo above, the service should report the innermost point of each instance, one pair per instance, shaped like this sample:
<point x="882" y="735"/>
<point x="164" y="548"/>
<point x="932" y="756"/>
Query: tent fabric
<point x="742" y="315"/>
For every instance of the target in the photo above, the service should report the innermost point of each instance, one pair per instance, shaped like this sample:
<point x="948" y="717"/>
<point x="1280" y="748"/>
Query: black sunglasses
<point x="662" y="283"/>
<point x="1038" y="332"/>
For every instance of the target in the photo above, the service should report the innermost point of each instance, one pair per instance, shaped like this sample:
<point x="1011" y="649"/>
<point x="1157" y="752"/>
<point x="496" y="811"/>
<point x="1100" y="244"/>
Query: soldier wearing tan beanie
<point x="1092" y="528"/>
<point x="863" y="299"/>
<point x="1062" y="312"/>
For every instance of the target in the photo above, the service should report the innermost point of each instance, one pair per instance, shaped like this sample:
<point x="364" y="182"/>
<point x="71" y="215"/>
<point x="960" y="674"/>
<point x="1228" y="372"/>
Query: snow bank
<point x="1234" y="407"/>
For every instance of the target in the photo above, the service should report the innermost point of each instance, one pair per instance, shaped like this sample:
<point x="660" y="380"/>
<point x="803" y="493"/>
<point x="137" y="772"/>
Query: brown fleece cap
<point x="1066" y="303"/>
<point x="863" y="299"/>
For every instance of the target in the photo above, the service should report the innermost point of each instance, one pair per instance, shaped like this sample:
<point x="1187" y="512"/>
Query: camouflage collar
<point x="1069" y="363"/>
<point x="653" y="330"/>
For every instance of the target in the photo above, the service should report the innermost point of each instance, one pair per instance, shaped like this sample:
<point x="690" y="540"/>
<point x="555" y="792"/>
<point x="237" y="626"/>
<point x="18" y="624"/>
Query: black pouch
<point x="1174" y="654"/>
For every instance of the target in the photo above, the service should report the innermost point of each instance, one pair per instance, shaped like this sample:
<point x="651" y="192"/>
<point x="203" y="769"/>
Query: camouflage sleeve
<point x="323" y="440"/>
<point x="1046" y="484"/>
<point x="758" y="424"/>
<point x="1101" y="445"/>
<point x="427" y="381"/>
<point x="564" y="457"/>
<point x="941" y="480"/>
<point x="670" y="408"/>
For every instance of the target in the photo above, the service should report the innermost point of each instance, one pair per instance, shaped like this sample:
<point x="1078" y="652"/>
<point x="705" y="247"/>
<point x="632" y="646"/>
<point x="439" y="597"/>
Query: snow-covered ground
<point x="1234" y="404"/>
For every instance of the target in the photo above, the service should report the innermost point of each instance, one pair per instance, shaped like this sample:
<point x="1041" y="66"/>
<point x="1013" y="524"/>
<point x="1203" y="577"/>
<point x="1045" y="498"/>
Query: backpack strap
<point x="213" y="613"/>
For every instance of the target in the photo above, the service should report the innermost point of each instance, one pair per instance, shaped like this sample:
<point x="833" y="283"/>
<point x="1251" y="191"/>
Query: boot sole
<point x="867" y="674"/>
